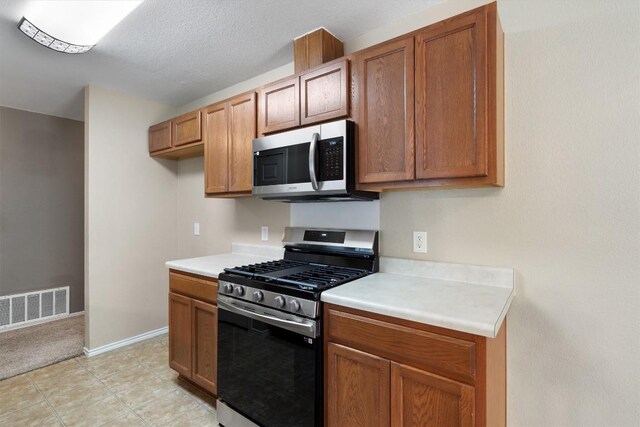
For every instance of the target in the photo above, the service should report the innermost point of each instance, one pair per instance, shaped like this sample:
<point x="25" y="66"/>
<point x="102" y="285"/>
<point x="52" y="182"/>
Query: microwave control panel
<point x="331" y="159"/>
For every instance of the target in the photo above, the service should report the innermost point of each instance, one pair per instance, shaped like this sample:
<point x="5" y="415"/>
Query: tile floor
<point x="130" y="386"/>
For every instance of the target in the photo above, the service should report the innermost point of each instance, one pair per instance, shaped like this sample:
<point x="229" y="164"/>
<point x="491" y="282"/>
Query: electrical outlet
<point x="420" y="241"/>
<point x="265" y="233"/>
<point x="196" y="228"/>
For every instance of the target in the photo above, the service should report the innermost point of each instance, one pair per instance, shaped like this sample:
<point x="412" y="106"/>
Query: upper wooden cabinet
<point x="279" y="106"/>
<point x="187" y="128"/>
<point x="177" y="138"/>
<point x="314" y="49"/>
<point x="383" y="95"/>
<point x="314" y="96"/>
<point x="230" y="127"/>
<point x="429" y="106"/>
<point x="160" y="136"/>
<point x="324" y="93"/>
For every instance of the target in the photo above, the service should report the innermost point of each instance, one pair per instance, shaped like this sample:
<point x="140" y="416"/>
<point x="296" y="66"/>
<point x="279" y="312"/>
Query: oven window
<point x="270" y="375"/>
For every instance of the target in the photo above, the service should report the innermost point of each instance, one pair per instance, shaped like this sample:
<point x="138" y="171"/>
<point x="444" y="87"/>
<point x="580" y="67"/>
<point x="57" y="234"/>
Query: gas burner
<point x="264" y="267"/>
<point x="322" y="277"/>
<point x="314" y="260"/>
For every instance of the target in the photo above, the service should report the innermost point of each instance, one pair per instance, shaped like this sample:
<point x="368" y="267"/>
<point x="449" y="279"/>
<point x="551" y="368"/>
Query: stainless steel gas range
<point x="270" y="362"/>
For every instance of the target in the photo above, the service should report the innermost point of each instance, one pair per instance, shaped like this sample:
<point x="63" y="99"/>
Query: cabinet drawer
<point x="194" y="287"/>
<point x="444" y="355"/>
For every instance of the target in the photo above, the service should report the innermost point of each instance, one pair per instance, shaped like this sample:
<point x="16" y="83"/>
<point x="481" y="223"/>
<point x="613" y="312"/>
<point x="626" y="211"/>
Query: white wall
<point x="354" y="215"/>
<point x="130" y="218"/>
<point x="568" y="218"/>
<point x="222" y="221"/>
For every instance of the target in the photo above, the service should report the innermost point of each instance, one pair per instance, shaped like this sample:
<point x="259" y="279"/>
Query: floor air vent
<point x="22" y="309"/>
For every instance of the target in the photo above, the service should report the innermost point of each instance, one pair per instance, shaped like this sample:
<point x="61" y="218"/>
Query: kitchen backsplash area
<point x="348" y="215"/>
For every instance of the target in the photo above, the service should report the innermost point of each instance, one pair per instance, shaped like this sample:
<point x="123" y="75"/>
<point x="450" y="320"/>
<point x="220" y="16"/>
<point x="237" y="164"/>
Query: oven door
<point x="269" y="369"/>
<point x="312" y="161"/>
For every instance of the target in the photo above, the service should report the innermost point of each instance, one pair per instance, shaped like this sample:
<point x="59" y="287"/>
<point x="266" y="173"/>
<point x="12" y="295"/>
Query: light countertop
<point x="242" y="254"/>
<point x="465" y="298"/>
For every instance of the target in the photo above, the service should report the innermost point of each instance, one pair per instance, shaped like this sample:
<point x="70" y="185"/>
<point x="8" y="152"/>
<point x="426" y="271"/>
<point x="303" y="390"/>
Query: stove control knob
<point x="294" y="305"/>
<point x="228" y="288"/>
<point x="239" y="291"/>
<point x="280" y="302"/>
<point x="258" y="296"/>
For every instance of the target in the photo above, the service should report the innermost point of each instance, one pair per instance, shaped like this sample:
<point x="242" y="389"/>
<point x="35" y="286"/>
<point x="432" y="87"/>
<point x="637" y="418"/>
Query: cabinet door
<point x="180" y="334"/>
<point x="422" y="399"/>
<point x="357" y="392"/>
<point x="205" y="341"/>
<point x="216" y="149"/>
<point x="451" y="98"/>
<point x="324" y="93"/>
<point x="384" y="97"/>
<point x="160" y="136"/>
<point x="279" y="106"/>
<point x="242" y="131"/>
<point x="187" y="128"/>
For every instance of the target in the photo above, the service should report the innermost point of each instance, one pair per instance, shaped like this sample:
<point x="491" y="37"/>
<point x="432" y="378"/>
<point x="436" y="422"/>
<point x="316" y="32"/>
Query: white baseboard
<point x="125" y="342"/>
<point x="40" y="321"/>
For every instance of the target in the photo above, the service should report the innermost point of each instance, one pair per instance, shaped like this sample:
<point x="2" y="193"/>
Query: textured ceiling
<point x="175" y="51"/>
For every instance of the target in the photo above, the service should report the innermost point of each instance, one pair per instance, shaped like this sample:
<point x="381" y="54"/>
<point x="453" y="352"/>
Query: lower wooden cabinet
<point x="382" y="371"/>
<point x="357" y="388"/>
<point x="193" y="328"/>
<point x="204" y="327"/>
<point x="180" y="345"/>
<point x="422" y="399"/>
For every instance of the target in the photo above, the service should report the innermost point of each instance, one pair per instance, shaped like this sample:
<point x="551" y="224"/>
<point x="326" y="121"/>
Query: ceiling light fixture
<point x="73" y="26"/>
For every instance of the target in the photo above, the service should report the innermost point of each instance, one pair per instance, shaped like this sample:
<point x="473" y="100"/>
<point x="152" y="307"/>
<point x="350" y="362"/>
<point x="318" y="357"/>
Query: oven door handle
<point x="306" y="327"/>
<point x="313" y="148"/>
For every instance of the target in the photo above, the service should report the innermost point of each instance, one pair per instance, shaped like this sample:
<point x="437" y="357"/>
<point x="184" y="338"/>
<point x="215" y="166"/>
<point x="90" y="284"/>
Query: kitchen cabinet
<point x="279" y="105"/>
<point x="324" y="93"/>
<point x="314" y="49"/>
<point x="387" y="371"/>
<point x="193" y="328"/>
<point x="358" y="385"/>
<point x="429" y="106"/>
<point x="383" y="98"/>
<point x="180" y="137"/>
<point x="230" y="127"/>
<point x="160" y="136"/>
<point x="315" y="96"/>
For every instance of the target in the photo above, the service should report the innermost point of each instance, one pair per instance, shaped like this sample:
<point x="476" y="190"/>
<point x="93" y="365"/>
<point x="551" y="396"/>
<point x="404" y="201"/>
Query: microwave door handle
<point x="312" y="160"/>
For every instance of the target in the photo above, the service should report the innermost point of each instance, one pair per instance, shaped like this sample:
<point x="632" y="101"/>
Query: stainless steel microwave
<point x="315" y="163"/>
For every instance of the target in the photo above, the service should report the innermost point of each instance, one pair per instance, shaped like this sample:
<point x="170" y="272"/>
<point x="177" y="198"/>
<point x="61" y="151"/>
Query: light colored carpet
<point x="26" y="349"/>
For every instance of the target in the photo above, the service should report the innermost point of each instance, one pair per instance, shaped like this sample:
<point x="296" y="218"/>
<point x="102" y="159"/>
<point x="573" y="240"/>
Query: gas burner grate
<point x="264" y="267"/>
<point x="323" y="276"/>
